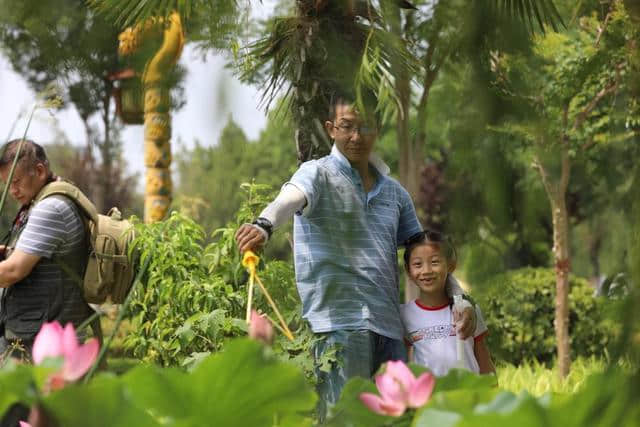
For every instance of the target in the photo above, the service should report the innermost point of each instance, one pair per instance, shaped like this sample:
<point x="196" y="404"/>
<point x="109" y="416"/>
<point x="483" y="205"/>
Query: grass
<point x="538" y="379"/>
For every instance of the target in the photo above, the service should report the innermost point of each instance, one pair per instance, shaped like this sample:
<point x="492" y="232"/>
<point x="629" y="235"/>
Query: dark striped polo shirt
<point x="55" y="230"/>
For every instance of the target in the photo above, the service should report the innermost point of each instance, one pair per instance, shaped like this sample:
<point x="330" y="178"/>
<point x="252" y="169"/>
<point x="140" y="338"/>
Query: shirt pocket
<point x="342" y="197"/>
<point x="385" y="213"/>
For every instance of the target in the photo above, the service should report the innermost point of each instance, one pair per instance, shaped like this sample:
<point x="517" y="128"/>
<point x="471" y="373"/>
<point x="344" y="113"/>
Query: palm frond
<point x="126" y="13"/>
<point x="325" y="47"/>
<point x="384" y="56"/>
<point x="297" y="51"/>
<point x="542" y="13"/>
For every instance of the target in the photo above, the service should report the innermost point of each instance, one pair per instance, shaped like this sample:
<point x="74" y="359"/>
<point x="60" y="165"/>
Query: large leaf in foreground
<point x="105" y="402"/>
<point x="240" y="386"/>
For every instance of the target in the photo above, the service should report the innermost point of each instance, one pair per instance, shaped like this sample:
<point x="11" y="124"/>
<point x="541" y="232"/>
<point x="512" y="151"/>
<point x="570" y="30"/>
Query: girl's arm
<point x="410" y="353"/>
<point x="483" y="356"/>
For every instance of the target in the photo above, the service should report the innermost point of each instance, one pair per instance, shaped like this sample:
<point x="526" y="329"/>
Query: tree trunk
<point x="406" y="164"/>
<point x="562" y="265"/>
<point x="406" y="161"/>
<point x="413" y="149"/>
<point x="556" y="191"/>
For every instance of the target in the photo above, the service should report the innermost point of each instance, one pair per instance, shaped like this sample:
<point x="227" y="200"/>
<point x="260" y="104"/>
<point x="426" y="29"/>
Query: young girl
<point x="429" y="321"/>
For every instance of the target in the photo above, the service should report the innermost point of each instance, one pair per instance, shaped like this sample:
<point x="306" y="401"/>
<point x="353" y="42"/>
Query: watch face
<point x="265" y="224"/>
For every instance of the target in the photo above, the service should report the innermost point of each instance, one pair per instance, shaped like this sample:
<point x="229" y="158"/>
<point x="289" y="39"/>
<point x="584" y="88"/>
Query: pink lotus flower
<point x="260" y="328"/>
<point x="24" y="424"/>
<point x="399" y="389"/>
<point x="54" y="341"/>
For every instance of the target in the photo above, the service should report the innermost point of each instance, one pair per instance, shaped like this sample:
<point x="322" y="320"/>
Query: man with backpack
<point x="45" y="253"/>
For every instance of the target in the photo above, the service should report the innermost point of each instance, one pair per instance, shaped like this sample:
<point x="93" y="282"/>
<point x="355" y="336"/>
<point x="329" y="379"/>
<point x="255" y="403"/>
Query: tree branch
<point x="546" y="182"/>
<point x="610" y="88"/>
<point x="429" y="78"/>
<point x="428" y="60"/>
<point x="604" y="25"/>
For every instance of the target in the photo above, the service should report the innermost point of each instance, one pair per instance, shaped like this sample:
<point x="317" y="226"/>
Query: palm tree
<point x="323" y="46"/>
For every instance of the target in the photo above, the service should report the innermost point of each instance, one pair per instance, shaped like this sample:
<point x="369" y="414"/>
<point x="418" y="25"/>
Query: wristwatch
<point x="265" y="224"/>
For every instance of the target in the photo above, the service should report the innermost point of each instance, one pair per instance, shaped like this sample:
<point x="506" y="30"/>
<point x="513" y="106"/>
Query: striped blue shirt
<point x="345" y="246"/>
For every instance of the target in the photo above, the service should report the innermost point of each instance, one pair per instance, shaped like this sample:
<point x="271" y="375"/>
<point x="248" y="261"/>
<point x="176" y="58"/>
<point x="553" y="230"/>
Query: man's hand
<point x="465" y="322"/>
<point x="250" y="237"/>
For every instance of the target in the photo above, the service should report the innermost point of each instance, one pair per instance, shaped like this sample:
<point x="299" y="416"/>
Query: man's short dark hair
<point x="343" y="97"/>
<point x="30" y="154"/>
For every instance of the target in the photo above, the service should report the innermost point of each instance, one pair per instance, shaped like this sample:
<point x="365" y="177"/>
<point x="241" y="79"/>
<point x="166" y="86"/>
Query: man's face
<point x="26" y="183"/>
<point x="353" y="136"/>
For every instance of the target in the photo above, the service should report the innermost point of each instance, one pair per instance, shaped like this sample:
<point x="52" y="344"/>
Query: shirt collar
<point x="374" y="160"/>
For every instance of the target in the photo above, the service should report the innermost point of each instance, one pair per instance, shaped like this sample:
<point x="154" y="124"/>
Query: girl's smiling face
<point x="428" y="268"/>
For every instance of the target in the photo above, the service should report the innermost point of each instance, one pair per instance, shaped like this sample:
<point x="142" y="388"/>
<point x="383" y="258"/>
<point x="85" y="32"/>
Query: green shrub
<point x="179" y="308"/>
<point x="193" y="297"/>
<point x="519" y="308"/>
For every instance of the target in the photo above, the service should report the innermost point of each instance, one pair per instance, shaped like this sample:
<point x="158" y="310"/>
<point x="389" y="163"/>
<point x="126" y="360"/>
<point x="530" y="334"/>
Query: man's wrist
<point x="265" y="225"/>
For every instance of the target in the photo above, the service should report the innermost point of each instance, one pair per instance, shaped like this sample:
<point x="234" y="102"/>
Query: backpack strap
<point x="82" y="203"/>
<point x="65" y="188"/>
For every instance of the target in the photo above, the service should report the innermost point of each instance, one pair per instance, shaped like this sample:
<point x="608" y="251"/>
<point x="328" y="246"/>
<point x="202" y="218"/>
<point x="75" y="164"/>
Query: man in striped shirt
<point x="350" y="219"/>
<point x="46" y="253"/>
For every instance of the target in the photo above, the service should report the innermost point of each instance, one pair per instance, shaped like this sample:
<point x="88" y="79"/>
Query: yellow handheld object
<point x="250" y="261"/>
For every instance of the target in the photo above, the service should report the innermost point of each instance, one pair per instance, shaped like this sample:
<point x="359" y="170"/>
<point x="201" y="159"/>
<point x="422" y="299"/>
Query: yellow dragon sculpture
<point x="157" y="104"/>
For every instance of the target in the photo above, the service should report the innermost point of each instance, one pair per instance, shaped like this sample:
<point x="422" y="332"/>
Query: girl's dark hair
<point x="430" y="237"/>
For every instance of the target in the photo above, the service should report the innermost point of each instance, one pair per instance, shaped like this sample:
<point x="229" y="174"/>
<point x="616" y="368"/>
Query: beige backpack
<point x="110" y="270"/>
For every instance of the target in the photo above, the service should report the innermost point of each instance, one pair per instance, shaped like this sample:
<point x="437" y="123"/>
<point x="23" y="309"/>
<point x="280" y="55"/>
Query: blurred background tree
<point x="65" y="42"/>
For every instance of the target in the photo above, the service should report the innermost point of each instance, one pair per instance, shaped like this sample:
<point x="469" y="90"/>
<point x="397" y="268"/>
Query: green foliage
<point x="465" y="399"/>
<point x="190" y="299"/>
<point x="572" y="88"/>
<point x="458" y="390"/>
<point x="218" y="23"/>
<point x="519" y="312"/>
<point x="61" y="40"/>
<point x="242" y="386"/>
<point x="193" y="298"/>
<point x="245" y="385"/>
<point x="542" y="12"/>
<point x="489" y="199"/>
<point x="537" y="379"/>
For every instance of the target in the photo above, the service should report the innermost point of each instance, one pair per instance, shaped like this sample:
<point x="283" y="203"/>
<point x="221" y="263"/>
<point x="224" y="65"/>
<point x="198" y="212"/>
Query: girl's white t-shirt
<point x="431" y="333"/>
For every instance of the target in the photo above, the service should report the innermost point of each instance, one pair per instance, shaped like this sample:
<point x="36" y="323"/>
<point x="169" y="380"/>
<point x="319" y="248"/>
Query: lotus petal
<point x="373" y="402"/>
<point x="421" y="390"/>
<point x="48" y="342"/>
<point x="398" y="370"/>
<point x="78" y="363"/>
<point x="390" y="389"/>
<point x="69" y="340"/>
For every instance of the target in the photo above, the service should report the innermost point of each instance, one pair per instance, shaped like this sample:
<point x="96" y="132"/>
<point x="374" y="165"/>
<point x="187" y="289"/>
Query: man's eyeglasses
<point x="350" y="129"/>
